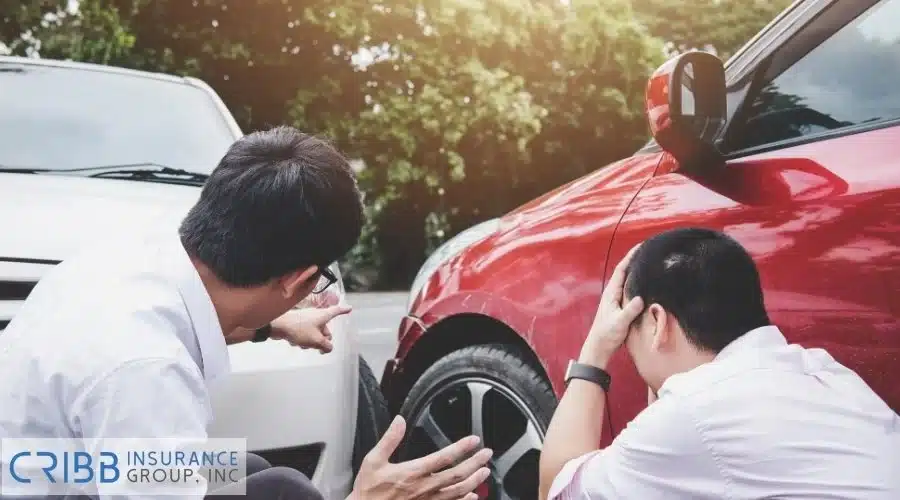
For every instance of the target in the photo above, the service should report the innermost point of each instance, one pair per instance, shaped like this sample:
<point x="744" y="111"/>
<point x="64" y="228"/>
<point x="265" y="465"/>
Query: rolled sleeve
<point x="568" y="483"/>
<point x="660" y="455"/>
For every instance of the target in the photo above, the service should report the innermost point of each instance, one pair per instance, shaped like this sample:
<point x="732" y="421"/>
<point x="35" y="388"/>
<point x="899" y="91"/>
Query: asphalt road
<point x="376" y="317"/>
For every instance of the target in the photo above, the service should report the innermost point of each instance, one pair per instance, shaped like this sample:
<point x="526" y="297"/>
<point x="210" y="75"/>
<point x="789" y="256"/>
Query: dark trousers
<point x="264" y="482"/>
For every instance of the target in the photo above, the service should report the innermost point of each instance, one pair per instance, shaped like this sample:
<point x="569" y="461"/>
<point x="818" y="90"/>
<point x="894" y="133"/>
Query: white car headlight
<point x="448" y="250"/>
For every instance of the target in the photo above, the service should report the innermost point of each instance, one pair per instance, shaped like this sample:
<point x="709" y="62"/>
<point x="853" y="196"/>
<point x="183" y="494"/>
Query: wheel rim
<point x="489" y="410"/>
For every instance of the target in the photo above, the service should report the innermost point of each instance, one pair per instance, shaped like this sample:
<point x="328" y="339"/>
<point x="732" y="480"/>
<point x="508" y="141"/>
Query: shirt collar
<point x="214" y="361"/>
<point x="763" y="338"/>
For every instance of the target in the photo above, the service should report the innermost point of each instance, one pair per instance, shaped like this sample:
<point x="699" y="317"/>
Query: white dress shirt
<point x="121" y="341"/>
<point x="765" y="419"/>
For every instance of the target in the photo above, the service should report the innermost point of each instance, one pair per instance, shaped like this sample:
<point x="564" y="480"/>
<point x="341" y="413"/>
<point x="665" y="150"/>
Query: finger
<point x="631" y="311"/>
<point x="616" y="284"/>
<point x="444" y="457"/>
<point x="326" y="346"/>
<point x="464" y="487"/>
<point x="329" y="313"/>
<point x="388" y="444"/>
<point x="464" y="473"/>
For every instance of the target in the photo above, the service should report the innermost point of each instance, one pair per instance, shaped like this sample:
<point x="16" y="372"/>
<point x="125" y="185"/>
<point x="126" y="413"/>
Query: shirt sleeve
<point x="660" y="455"/>
<point x="154" y="398"/>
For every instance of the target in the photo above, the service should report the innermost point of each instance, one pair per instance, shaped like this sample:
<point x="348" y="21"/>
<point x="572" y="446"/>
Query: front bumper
<point x="410" y="329"/>
<point x="295" y="407"/>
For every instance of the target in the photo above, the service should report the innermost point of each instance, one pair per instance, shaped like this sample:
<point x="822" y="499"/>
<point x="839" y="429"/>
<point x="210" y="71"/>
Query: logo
<point x="134" y="466"/>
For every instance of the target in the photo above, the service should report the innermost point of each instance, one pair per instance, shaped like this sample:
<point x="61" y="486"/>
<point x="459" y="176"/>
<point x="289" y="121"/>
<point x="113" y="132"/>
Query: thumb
<point x="390" y="441"/>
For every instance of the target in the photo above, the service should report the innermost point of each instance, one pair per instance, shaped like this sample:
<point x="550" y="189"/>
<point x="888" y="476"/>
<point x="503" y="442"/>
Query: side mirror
<point x="687" y="109"/>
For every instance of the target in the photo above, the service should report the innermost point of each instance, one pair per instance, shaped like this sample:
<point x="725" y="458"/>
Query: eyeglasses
<point x="326" y="279"/>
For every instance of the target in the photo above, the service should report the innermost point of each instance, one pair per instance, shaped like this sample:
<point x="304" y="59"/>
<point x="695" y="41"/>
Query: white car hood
<point x="47" y="217"/>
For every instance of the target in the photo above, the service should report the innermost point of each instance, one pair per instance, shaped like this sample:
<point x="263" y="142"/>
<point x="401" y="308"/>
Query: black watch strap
<point x="262" y="334"/>
<point x="590" y="373"/>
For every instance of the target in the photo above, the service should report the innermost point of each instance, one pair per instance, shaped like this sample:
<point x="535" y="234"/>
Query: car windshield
<point x="56" y="118"/>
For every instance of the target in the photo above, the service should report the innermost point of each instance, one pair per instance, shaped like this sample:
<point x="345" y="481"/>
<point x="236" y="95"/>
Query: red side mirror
<point x="687" y="109"/>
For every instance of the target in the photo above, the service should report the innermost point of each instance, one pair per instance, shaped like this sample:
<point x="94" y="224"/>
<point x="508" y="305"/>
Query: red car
<point x="792" y="148"/>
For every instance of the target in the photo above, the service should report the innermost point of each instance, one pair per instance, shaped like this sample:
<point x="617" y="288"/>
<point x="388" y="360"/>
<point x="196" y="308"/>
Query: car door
<point x="811" y="188"/>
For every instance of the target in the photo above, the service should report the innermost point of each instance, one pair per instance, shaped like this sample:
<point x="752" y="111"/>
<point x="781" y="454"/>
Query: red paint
<point x="822" y="221"/>
<point x="657" y="98"/>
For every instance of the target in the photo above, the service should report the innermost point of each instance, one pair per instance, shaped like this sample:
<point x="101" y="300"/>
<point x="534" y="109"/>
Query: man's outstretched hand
<point x="443" y="475"/>
<point x="307" y="328"/>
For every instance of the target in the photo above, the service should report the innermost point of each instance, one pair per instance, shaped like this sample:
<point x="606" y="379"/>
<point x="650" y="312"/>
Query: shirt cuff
<point x="567" y="484"/>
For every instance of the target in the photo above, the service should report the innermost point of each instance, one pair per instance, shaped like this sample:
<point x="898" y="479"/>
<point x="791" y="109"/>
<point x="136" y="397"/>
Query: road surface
<point x="376" y="317"/>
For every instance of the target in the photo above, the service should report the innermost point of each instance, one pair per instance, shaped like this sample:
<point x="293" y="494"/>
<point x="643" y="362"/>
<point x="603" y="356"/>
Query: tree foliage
<point x="721" y="25"/>
<point x="458" y="109"/>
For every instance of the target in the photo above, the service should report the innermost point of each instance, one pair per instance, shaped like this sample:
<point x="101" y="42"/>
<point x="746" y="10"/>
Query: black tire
<point x="372" y="415"/>
<point x="507" y="381"/>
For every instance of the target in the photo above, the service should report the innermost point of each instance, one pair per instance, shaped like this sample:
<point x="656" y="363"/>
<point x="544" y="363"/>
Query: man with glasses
<point x="125" y="340"/>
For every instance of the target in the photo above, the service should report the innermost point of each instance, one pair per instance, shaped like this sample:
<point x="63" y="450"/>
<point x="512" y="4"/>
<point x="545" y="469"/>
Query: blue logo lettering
<point x="48" y="471"/>
<point x="82" y="461"/>
<point x="107" y="466"/>
<point x="12" y="467"/>
<point x="77" y="467"/>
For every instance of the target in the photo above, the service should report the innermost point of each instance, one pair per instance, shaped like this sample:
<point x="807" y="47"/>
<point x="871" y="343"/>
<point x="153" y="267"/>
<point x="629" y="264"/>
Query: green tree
<point x="724" y="25"/>
<point x="94" y="32"/>
<point x="459" y="109"/>
<point x="474" y="107"/>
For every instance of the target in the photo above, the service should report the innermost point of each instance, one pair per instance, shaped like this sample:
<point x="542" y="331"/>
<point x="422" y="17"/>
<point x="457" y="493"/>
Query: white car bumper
<point x="295" y="407"/>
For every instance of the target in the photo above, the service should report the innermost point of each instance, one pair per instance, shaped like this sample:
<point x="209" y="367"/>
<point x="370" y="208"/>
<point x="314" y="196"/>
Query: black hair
<point x="279" y="200"/>
<point x="705" y="279"/>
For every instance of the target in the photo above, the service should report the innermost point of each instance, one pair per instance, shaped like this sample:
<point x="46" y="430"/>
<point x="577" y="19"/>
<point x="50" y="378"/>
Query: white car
<point x="90" y="152"/>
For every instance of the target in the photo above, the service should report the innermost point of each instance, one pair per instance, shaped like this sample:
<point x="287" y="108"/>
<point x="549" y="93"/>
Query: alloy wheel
<point x="488" y="409"/>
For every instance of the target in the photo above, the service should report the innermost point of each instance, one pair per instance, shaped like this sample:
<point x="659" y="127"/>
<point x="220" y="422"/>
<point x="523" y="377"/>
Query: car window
<point x="849" y="79"/>
<point x="63" y="118"/>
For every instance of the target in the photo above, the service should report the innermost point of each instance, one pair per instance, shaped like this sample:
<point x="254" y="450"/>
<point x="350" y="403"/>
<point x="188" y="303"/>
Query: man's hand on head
<point x="613" y="318"/>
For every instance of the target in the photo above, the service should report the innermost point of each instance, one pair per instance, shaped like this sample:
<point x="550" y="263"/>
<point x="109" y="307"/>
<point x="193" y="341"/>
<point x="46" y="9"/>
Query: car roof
<point x="83" y="66"/>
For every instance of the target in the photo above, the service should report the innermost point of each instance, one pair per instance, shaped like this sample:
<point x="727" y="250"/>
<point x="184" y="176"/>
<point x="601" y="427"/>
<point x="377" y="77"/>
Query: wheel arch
<point x="450" y="334"/>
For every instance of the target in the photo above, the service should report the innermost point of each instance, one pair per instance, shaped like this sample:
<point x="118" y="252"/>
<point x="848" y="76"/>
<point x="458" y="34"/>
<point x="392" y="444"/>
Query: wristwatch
<point x="590" y="373"/>
<point x="263" y="333"/>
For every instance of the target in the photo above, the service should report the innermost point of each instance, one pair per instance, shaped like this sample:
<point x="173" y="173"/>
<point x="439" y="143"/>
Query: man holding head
<point x="734" y="410"/>
<point x="136" y="355"/>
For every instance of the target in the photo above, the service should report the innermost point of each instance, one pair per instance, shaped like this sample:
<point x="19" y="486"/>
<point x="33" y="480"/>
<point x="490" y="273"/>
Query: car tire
<point x="503" y="379"/>
<point x="372" y="415"/>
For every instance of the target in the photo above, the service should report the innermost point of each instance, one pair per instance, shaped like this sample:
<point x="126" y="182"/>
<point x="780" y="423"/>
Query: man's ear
<point x="297" y="282"/>
<point x="662" y="334"/>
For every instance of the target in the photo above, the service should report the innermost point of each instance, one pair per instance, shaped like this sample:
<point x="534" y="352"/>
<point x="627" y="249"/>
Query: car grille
<point x="15" y="290"/>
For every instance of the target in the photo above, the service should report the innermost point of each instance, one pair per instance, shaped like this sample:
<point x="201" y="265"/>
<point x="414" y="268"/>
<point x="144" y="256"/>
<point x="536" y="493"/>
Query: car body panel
<point x="502" y="275"/>
<point x="824" y="232"/>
